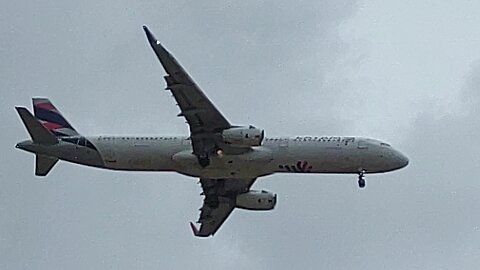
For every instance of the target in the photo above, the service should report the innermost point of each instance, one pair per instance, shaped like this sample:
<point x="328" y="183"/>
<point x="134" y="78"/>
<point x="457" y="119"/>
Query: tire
<point x="361" y="183"/>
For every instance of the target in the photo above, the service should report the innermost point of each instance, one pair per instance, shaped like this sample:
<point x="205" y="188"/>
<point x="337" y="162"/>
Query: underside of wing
<point x="205" y="121"/>
<point x="201" y="114"/>
<point x="211" y="218"/>
<point x="219" y="202"/>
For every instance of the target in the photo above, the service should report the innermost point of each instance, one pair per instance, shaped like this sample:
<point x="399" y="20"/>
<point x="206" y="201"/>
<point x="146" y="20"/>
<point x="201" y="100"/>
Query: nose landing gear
<point x="361" y="179"/>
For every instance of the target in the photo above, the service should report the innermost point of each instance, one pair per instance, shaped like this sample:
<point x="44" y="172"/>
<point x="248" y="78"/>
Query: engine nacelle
<point x="244" y="136"/>
<point x="256" y="200"/>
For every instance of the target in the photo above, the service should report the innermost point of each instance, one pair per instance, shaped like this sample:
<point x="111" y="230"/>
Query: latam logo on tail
<point x="51" y="118"/>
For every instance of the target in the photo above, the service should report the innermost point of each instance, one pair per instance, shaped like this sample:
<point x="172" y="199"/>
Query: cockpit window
<point x="385" y="144"/>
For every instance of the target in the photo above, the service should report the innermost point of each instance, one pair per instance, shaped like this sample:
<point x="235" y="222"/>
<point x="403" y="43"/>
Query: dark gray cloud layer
<point x="288" y="68"/>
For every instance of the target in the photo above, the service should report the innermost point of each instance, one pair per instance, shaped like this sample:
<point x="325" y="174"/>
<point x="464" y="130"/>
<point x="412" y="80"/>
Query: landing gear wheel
<point x="361" y="179"/>
<point x="204" y="161"/>
<point x="361" y="183"/>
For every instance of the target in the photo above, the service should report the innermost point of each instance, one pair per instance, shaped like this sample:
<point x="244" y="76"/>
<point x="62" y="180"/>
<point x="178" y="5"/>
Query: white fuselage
<point x="302" y="154"/>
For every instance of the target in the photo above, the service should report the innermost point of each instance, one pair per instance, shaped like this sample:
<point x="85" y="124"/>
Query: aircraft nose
<point x="401" y="159"/>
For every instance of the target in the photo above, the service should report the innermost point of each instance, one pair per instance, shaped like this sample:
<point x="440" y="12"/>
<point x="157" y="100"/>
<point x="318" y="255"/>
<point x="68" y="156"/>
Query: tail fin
<point x="51" y="118"/>
<point x="37" y="131"/>
<point x="43" y="164"/>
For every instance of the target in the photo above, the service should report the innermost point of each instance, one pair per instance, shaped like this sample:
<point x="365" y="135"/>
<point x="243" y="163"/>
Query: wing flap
<point x="211" y="219"/>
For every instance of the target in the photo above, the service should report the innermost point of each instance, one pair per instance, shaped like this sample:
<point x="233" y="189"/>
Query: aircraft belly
<point x="251" y="164"/>
<point x="317" y="159"/>
<point x="339" y="161"/>
<point x="142" y="157"/>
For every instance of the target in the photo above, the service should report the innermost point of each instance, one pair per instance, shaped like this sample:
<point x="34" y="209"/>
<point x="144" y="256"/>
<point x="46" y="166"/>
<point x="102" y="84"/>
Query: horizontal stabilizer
<point x="43" y="164"/>
<point x="37" y="131"/>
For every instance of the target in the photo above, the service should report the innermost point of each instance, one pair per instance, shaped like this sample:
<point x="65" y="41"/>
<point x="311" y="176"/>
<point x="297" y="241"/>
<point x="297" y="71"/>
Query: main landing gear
<point x="361" y="179"/>
<point x="204" y="160"/>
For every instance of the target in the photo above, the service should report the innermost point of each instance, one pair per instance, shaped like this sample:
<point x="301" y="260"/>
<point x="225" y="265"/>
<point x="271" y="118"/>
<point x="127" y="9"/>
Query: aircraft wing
<point x="219" y="202"/>
<point x="201" y="115"/>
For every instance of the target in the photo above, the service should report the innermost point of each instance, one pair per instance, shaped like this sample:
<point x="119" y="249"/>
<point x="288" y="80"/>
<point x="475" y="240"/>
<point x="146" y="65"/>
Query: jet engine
<point x="256" y="200"/>
<point x="243" y="136"/>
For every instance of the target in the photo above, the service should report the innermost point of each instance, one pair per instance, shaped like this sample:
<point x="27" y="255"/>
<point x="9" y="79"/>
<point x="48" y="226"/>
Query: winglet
<point x="151" y="38"/>
<point x="194" y="229"/>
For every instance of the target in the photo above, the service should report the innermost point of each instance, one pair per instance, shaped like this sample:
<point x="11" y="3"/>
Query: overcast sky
<point x="406" y="72"/>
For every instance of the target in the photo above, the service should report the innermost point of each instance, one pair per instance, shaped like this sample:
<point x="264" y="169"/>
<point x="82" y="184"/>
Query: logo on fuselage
<point x="301" y="166"/>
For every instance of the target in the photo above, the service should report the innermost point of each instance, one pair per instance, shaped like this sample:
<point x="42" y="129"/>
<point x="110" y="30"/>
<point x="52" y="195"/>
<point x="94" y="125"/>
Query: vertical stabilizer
<point x="43" y="164"/>
<point x="51" y="118"/>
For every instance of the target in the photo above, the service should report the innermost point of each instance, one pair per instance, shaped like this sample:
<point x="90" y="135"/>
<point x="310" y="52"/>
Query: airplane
<point x="226" y="158"/>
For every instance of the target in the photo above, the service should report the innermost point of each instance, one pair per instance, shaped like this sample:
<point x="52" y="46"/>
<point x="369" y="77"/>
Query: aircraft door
<point x="362" y="145"/>
<point x="283" y="143"/>
<point x="108" y="152"/>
